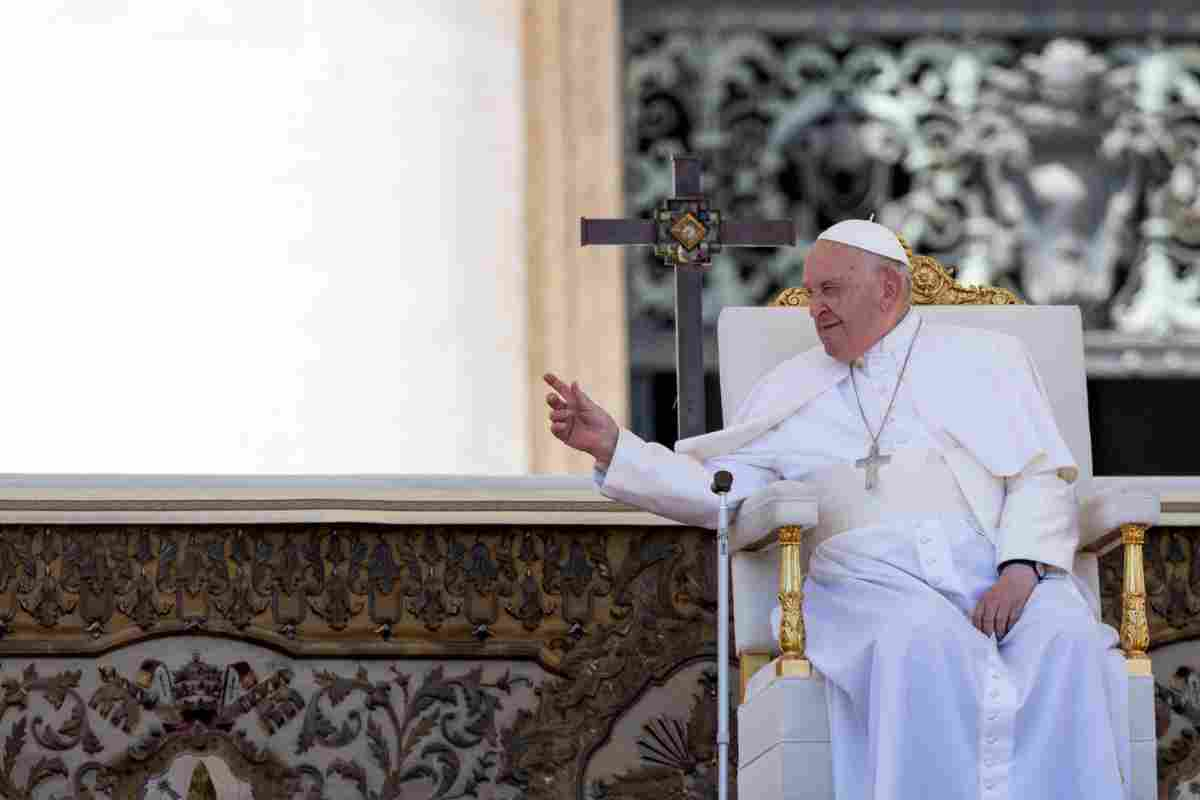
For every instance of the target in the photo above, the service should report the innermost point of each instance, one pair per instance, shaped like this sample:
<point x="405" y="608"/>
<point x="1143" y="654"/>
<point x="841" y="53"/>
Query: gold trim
<point x="791" y="593"/>
<point x="1133" y="533"/>
<point x="749" y="663"/>
<point x="789" y="534"/>
<point x="1135" y="629"/>
<point x="932" y="285"/>
<point x="689" y="231"/>
<point x="791" y="667"/>
<point x="1139" y="667"/>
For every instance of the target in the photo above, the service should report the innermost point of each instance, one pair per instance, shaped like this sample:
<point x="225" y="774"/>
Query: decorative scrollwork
<point x="932" y="284"/>
<point x="306" y="589"/>
<point x="955" y="143"/>
<point x="643" y="598"/>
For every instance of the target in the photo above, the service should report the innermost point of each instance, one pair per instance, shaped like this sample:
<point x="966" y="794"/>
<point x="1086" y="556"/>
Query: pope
<point x="961" y="656"/>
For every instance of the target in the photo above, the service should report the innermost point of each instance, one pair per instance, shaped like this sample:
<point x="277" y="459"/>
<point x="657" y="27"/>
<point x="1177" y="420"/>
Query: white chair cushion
<point x="1103" y="513"/>
<point x="779" y="504"/>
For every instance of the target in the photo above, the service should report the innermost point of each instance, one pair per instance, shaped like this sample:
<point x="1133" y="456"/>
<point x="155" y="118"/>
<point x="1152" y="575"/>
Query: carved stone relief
<point x="665" y="744"/>
<point x="612" y="619"/>
<point x="528" y="592"/>
<point x="1064" y="169"/>
<point x="599" y="620"/>
<point x="287" y="729"/>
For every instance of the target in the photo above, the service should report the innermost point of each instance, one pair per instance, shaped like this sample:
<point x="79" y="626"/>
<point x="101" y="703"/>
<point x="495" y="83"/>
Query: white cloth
<point x="912" y="693"/>
<point x="921" y="704"/>
<point x="867" y="235"/>
<point x="973" y="394"/>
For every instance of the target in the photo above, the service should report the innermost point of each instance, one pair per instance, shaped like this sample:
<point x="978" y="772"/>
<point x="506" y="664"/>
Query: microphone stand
<point x="722" y="483"/>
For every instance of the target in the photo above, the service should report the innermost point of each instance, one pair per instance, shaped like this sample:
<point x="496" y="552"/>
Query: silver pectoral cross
<point x="872" y="463"/>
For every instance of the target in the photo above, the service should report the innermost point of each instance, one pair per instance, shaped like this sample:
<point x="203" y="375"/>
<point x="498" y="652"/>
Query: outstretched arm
<point x="678" y="487"/>
<point x="645" y="474"/>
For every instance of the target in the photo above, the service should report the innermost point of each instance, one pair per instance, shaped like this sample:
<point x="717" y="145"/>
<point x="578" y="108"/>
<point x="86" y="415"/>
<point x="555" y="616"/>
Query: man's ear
<point x="892" y="286"/>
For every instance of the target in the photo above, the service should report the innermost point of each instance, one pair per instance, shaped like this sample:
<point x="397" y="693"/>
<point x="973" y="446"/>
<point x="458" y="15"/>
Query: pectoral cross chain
<point x="872" y="463"/>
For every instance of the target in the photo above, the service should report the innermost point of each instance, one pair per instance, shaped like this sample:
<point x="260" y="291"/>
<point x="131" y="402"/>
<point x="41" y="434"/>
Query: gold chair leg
<point x="749" y="663"/>
<point x="1135" y="628"/>
<point x="792" y="662"/>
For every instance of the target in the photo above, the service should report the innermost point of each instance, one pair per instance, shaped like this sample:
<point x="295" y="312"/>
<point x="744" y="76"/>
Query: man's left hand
<point x="1001" y="606"/>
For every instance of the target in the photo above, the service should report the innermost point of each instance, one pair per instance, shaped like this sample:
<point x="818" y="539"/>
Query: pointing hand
<point x="578" y="422"/>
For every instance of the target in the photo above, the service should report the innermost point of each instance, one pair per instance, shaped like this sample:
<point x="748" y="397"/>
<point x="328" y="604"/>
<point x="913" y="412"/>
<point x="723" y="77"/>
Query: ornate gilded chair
<point x="780" y="747"/>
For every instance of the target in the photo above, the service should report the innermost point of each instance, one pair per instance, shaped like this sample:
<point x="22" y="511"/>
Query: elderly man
<point x="961" y="657"/>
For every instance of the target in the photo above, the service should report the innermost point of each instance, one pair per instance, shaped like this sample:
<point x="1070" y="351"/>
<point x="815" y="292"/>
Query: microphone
<point x="722" y="482"/>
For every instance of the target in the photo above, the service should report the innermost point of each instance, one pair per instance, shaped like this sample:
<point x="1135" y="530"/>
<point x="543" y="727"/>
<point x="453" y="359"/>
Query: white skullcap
<point x="869" y="236"/>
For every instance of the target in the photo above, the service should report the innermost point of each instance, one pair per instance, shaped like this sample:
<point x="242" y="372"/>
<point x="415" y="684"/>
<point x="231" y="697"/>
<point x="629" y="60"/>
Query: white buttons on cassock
<point x="996" y="736"/>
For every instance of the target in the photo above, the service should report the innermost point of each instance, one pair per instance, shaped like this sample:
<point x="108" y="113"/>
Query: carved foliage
<point x="617" y="612"/>
<point x="74" y="731"/>
<point x="425" y="735"/>
<point x="535" y="590"/>
<point x="663" y="617"/>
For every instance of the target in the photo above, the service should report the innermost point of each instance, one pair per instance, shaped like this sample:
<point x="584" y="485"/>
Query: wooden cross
<point x="685" y="234"/>
<point x="872" y="463"/>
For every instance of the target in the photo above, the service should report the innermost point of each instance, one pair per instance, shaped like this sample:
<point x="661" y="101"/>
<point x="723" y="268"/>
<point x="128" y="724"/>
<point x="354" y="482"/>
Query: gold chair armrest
<point x="792" y="661"/>
<point x="1135" y="627"/>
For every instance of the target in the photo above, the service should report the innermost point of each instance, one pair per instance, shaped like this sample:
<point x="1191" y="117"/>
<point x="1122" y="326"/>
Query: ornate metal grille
<point x="1056" y="156"/>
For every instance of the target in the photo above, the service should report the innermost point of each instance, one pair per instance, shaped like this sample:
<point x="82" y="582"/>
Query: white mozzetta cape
<point x="978" y="390"/>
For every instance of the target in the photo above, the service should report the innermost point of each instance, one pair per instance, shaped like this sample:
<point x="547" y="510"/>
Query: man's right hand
<point x="577" y="421"/>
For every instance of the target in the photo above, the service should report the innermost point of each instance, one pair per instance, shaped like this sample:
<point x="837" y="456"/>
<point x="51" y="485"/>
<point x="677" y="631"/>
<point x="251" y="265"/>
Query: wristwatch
<point x="1039" y="568"/>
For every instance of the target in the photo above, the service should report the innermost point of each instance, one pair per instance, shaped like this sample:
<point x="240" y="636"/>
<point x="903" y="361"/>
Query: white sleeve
<point x="1040" y="518"/>
<point x="678" y="487"/>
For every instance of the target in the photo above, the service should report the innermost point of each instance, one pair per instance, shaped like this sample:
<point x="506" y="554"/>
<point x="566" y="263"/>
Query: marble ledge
<point x="387" y="499"/>
<point x="259" y="499"/>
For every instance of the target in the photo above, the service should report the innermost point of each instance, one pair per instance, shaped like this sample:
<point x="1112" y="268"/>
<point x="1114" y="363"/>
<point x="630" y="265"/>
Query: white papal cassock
<point x="921" y="703"/>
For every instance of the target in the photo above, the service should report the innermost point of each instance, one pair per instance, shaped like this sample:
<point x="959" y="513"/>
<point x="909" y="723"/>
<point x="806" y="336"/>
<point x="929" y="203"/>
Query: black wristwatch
<point x="1038" y="569"/>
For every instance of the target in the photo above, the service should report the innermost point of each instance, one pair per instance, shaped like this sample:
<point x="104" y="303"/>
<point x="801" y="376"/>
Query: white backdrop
<point x="277" y="236"/>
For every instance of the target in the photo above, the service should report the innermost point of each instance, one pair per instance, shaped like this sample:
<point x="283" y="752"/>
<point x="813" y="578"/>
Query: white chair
<point x="783" y="729"/>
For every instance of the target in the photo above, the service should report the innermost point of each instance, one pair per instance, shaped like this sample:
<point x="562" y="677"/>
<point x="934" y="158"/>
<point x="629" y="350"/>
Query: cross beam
<point x="685" y="234"/>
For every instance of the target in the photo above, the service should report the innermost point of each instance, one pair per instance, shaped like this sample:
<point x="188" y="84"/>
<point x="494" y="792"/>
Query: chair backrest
<point x="752" y="341"/>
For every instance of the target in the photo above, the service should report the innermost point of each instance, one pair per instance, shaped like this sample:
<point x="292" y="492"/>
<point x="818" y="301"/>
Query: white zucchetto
<point x="869" y="236"/>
